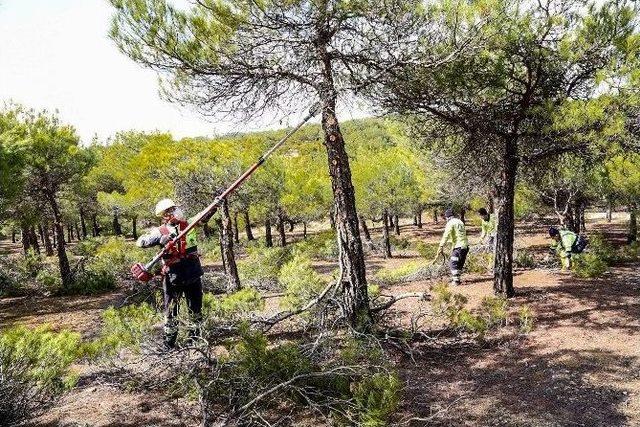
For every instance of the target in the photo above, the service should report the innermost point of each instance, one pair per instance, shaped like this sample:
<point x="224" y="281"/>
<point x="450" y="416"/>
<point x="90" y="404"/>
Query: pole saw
<point x="142" y="271"/>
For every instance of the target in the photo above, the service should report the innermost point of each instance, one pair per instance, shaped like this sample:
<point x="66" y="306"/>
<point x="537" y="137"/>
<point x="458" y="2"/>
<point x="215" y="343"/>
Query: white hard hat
<point x="163" y="205"/>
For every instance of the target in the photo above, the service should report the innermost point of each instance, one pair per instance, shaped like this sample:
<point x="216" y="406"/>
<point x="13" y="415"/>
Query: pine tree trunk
<point x="95" y="228"/>
<point x="13" y="235"/>
<point x="226" y="244"/>
<point x="386" y="244"/>
<point x="332" y="219"/>
<point x="576" y="212"/>
<point x="63" y="261"/>
<point x="83" y="223"/>
<point x="490" y="206"/>
<point x="391" y="223"/>
<point x="609" y="214"/>
<point x="396" y="224"/>
<point x="633" y="223"/>
<point x="419" y="218"/>
<point x="304" y="229"/>
<point x="47" y="240"/>
<point x="117" y="229"/>
<point x="236" y="233"/>
<point x="34" y="239"/>
<point x="41" y="233"/>
<point x="355" y="297"/>
<point x="281" y="232"/>
<point x="435" y="216"/>
<point x="267" y="233"/>
<point x="25" y="238"/>
<point x="134" y="227"/>
<point x="415" y="220"/>
<point x="247" y="226"/>
<point x="365" y="229"/>
<point x="78" y="233"/>
<point x="55" y="237"/>
<point x="503" y="263"/>
<point x="68" y="234"/>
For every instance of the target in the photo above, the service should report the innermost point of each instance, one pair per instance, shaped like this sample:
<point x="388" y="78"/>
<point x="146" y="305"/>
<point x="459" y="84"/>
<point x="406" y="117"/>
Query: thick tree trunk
<point x="281" y="232"/>
<point x="95" y="228"/>
<point x="332" y="219"/>
<point x="78" y="233"/>
<point x="292" y="226"/>
<point x="83" y="223"/>
<point x="55" y="237"/>
<point x="25" y="238"/>
<point x="503" y="263"/>
<point x="226" y="244"/>
<point x="391" y="223"/>
<point x="633" y="223"/>
<point x="117" y="229"/>
<point x="435" y="216"/>
<point x="365" y="229"/>
<point x="69" y="233"/>
<point x="386" y="244"/>
<point x="47" y="240"/>
<point x="396" y="224"/>
<point x="415" y="220"/>
<point x="419" y="218"/>
<point x="41" y="233"/>
<point x="267" y="233"/>
<point x="247" y="226"/>
<point x="34" y="239"/>
<point x="63" y="261"/>
<point x="490" y="206"/>
<point x="13" y="235"/>
<point x="577" y="211"/>
<point x="355" y="297"/>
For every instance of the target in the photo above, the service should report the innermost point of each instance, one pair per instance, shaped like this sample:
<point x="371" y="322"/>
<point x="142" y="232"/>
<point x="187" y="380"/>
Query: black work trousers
<point x="192" y="292"/>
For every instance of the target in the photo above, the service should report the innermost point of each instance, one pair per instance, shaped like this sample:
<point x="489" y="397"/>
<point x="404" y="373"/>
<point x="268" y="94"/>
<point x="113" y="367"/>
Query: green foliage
<point x="116" y="256"/>
<point x="494" y="311"/>
<point x="524" y="259"/>
<point x="124" y="327"/>
<point x="426" y="250"/>
<point x="262" y="264"/>
<point x="600" y="248"/>
<point x="526" y="319"/>
<point x="479" y="262"/>
<point x="589" y="265"/>
<point x="11" y="280"/>
<point x="48" y="355"/>
<point x="87" y="247"/>
<point x="389" y="276"/>
<point x="233" y="306"/>
<point x="399" y="243"/>
<point x="31" y="264"/>
<point x="300" y="282"/>
<point x="376" y="398"/>
<point x="322" y="246"/>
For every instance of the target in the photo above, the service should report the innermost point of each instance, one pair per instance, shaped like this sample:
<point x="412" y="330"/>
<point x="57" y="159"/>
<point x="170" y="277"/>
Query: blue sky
<point x="55" y="54"/>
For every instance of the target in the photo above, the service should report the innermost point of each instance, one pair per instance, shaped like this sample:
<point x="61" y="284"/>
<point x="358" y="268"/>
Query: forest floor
<point x="580" y="366"/>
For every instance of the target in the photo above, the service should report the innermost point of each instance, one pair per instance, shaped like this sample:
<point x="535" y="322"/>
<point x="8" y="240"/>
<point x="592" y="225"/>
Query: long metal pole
<point x="313" y="111"/>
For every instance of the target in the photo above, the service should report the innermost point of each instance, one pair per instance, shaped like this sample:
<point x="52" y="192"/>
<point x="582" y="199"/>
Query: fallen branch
<point x="394" y="299"/>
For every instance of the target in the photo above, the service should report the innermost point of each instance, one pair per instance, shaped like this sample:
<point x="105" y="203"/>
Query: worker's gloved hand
<point x="139" y="272"/>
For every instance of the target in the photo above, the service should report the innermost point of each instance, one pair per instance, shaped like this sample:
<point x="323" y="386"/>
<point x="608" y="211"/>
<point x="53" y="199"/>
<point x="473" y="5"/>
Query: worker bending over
<point x="455" y="232"/>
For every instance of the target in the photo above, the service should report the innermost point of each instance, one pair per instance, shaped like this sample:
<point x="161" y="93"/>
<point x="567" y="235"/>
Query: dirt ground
<point x="580" y="366"/>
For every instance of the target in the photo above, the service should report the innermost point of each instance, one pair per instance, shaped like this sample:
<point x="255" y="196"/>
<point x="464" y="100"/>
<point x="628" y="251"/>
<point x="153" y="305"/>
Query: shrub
<point x="262" y="265"/>
<point x="389" y="276"/>
<point x="588" y="265"/>
<point x="31" y="264"/>
<point x="124" y="327"/>
<point x="494" y="311"/>
<point x="87" y="247"/>
<point x="300" y="282"/>
<point x="49" y="281"/>
<point x="524" y="259"/>
<point x="399" y="243"/>
<point x="526" y="319"/>
<point x="323" y="246"/>
<point x="11" y="280"/>
<point x="232" y="306"/>
<point x="426" y="250"/>
<point x="376" y="398"/>
<point x="479" y="262"/>
<point x="116" y="256"/>
<point x="602" y="249"/>
<point x="209" y="249"/>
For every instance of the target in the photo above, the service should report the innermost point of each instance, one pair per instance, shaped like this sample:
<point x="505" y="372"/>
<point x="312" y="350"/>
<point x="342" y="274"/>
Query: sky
<point x="56" y="55"/>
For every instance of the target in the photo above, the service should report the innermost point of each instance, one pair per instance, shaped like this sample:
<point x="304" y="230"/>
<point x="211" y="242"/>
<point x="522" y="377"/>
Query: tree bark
<point x="391" y="222"/>
<point x="386" y="244"/>
<point x="577" y="210"/>
<point x="34" y="239"/>
<point x="609" y="214"/>
<point x="134" y="227"/>
<point x="117" y="229"/>
<point x="365" y="229"/>
<point x="583" y="224"/>
<point x="47" y="240"/>
<point x="236" y="233"/>
<point x="419" y="218"/>
<point x="63" y="261"/>
<point x="13" y="235"/>
<point x="226" y="244"/>
<point x="490" y="206"/>
<point x="95" y="228"/>
<point x="69" y="231"/>
<point x="332" y="219"/>
<point x="78" y="233"/>
<point x="267" y="233"/>
<point x="435" y="216"/>
<point x="55" y="237"/>
<point x="355" y="297"/>
<point x="292" y="226"/>
<point x="281" y="232"/>
<point x="396" y="224"/>
<point x="25" y="238"/>
<point x="415" y="220"/>
<point x="247" y="225"/>
<point x="41" y="233"/>
<point x="633" y="223"/>
<point x="304" y="229"/>
<point x="83" y="223"/>
<point x="503" y="262"/>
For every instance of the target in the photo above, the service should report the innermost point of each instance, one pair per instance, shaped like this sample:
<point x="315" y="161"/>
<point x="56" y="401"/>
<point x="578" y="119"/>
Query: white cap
<point x="163" y="205"/>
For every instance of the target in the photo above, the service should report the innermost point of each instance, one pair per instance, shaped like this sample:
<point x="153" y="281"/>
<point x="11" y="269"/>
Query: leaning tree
<point x="250" y="57"/>
<point x="537" y="87"/>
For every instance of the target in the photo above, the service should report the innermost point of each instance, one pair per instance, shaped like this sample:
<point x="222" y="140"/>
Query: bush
<point x="588" y="265"/>
<point x="11" y="280"/>
<point x="390" y="276"/>
<point x="323" y="246"/>
<point x="494" y="311"/>
<point x="262" y="265"/>
<point x="526" y="319"/>
<point x="31" y="264"/>
<point x="209" y="249"/>
<point x="232" y="306"/>
<point x="376" y="398"/>
<point x="602" y="249"/>
<point x="87" y="247"/>
<point x="300" y="282"/>
<point x="399" y="243"/>
<point x="524" y="259"/>
<point x="115" y="256"/>
<point x="124" y="327"/>
<point x="426" y="250"/>
<point x="479" y="262"/>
